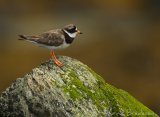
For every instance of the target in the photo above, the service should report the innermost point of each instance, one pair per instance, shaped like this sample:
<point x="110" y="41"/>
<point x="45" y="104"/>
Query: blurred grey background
<point x="121" y="40"/>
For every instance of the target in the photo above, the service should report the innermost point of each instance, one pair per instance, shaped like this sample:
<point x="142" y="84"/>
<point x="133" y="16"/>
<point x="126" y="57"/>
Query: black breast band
<point x="68" y="39"/>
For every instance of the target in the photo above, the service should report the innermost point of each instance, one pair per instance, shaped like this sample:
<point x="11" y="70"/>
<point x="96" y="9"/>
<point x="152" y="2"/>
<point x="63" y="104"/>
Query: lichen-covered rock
<point x="71" y="91"/>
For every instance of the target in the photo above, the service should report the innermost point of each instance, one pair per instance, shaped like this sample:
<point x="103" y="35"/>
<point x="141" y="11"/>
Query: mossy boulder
<point x="71" y="91"/>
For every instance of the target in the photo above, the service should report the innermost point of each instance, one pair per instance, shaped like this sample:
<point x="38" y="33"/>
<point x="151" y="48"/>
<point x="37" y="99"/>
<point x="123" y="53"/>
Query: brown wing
<point x="51" y="38"/>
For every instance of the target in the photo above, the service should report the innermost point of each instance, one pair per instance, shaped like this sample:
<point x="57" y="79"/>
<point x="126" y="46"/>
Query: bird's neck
<point x="68" y="39"/>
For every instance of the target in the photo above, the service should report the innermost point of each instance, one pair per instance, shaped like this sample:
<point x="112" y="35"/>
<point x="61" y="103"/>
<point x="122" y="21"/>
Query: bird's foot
<point x="58" y="63"/>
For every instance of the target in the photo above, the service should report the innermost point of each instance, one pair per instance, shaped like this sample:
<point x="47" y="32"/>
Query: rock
<point x="71" y="91"/>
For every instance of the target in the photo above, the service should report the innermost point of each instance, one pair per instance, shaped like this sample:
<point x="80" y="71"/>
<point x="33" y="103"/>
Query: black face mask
<point x="71" y="30"/>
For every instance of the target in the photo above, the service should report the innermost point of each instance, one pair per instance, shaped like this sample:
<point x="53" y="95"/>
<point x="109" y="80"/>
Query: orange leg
<point x="56" y="61"/>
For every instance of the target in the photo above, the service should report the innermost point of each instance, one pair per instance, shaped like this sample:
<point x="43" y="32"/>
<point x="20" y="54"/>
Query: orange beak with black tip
<point x="79" y="32"/>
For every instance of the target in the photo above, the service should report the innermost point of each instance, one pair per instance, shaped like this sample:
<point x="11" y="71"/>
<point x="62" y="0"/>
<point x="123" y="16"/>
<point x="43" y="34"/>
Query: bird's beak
<point x="79" y="32"/>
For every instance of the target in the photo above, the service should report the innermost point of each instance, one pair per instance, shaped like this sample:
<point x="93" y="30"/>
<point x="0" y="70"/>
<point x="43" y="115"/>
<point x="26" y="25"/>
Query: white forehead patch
<point x="72" y="35"/>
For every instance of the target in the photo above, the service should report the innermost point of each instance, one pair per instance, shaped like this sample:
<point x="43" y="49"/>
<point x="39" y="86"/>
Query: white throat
<point x="72" y="35"/>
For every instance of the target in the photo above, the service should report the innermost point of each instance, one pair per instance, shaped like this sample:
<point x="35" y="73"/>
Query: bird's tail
<point x="22" y="37"/>
<point x="29" y="38"/>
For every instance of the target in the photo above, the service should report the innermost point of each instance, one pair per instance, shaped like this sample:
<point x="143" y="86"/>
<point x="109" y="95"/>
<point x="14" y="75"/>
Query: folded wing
<point x="50" y="38"/>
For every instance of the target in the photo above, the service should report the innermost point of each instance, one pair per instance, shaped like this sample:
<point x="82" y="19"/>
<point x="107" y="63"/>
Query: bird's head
<point x="71" y="30"/>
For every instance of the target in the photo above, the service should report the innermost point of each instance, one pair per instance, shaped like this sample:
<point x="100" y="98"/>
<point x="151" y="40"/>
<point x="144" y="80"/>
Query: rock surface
<point x="71" y="91"/>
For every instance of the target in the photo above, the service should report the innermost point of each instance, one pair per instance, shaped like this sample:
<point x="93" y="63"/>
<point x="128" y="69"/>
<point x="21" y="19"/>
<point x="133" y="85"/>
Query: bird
<point x="54" y="39"/>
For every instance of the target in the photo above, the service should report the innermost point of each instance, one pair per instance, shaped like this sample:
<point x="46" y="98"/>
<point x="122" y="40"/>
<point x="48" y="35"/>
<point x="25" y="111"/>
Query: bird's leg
<point x="57" y="62"/>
